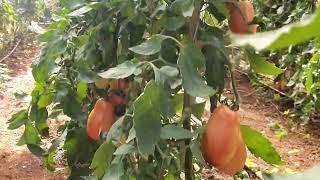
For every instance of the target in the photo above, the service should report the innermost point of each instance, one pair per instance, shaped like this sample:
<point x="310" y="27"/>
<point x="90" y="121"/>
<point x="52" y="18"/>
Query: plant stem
<point x="193" y="30"/>
<point x="188" y="169"/>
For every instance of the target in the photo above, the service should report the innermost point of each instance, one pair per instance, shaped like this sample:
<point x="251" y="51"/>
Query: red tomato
<point x="100" y="118"/>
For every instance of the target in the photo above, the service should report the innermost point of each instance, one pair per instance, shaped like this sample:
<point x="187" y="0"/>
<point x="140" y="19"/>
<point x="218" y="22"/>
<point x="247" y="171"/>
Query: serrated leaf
<point x="125" y="149"/>
<point x="102" y="159"/>
<point x="149" y="47"/>
<point x="261" y="65"/>
<point x="149" y="108"/>
<point x="260" y="146"/>
<point x="190" y="61"/>
<point x="311" y="174"/>
<point x="284" y="37"/>
<point x="174" y="132"/>
<point x="18" y="119"/>
<point x="123" y="70"/>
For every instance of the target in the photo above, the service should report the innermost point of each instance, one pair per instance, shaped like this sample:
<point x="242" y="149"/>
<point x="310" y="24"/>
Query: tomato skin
<point x="237" y="23"/>
<point x="222" y="145"/>
<point x="100" y="119"/>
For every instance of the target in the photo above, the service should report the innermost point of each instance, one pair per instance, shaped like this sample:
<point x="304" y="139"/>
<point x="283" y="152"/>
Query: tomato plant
<point x="166" y="54"/>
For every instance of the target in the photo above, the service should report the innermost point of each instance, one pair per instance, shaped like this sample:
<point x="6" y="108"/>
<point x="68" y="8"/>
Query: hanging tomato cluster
<point x="241" y="15"/>
<point x="106" y="109"/>
<point x="222" y="143"/>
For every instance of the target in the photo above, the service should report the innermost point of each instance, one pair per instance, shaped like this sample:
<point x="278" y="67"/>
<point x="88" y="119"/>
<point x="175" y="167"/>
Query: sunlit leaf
<point x="30" y="135"/>
<point x="260" y="146"/>
<point x="18" y="119"/>
<point x="260" y="65"/>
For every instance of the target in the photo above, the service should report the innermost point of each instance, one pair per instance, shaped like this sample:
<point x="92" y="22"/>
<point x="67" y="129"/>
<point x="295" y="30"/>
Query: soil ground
<point x="300" y="148"/>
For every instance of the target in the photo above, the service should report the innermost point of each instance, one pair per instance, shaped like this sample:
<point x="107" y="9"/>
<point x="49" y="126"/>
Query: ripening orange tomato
<point x="240" y="17"/>
<point x="222" y="144"/>
<point x="100" y="118"/>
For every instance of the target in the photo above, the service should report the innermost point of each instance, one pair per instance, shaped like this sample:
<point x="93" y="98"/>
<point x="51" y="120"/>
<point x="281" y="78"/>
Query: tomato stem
<point x="193" y="30"/>
<point x="187" y="125"/>
<point x="234" y="88"/>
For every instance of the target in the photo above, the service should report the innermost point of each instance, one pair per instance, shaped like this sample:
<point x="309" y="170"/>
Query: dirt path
<point x="16" y="162"/>
<point x="301" y="148"/>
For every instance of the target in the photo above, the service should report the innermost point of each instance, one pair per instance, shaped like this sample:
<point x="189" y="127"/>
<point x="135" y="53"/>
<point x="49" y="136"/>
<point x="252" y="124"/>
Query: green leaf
<point x="198" y="109"/>
<point x="174" y="132"/>
<point x="87" y="75"/>
<point x="167" y="75"/>
<point x="149" y="47"/>
<point x="72" y="107"/>
<point x="178" y="102"/>
<point x="260" y="65"/>
<point x="36" y="150"/>
<point x="79" y="149"/>
<point x="18" y="119"/>
<point x="82" y="89"/>
<point x="123" y="70"/>
<point x="116" y="170"/>
<point x="284" y="37"/>
<point x="311" y="174"/>
<point x="45" y="100"/>
<point x="125" y="149"/>
<point x="149" y="108"/>
<point x="260" y="146"/>
<point x="115" y="131"/>
<point x="41" y="70"/>
<point x="80" y="11"/>
<point x="216" y="60"/>
<point x="308" y="72"/>
<point x="102" y="159"/>
<point x="196" y="152"/>
<point x="30" y="135"/>
<point x="40" y="116"/>
<point x="173" y="22"/>
<point x="190" y="61"/>
<point x="185" y="7"/>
